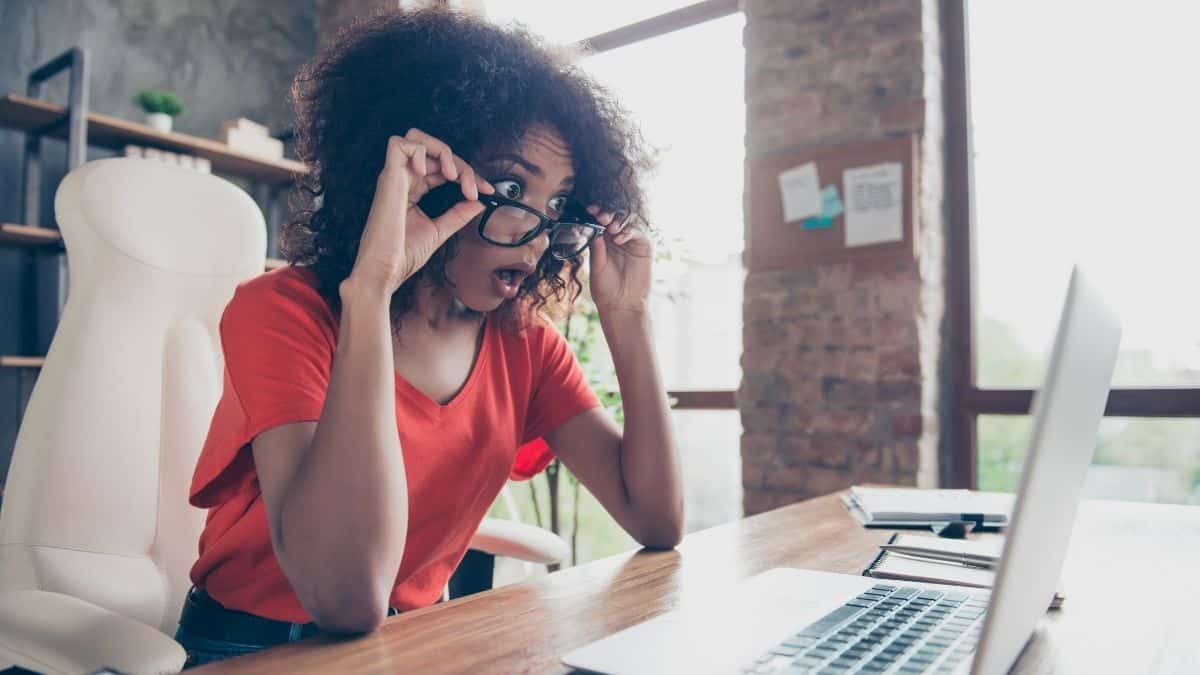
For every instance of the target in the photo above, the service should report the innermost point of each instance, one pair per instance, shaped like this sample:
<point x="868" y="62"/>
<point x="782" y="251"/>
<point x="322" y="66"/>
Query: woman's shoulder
<point x="534" y="337"/>
<point x="283" y="292"/>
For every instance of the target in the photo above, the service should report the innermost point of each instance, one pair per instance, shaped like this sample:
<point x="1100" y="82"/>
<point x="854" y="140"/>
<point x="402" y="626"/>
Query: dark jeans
<point x="210" y="632"/>
<point x="202" y="650"/>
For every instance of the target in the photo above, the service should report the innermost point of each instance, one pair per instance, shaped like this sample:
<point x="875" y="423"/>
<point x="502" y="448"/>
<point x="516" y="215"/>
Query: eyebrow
<point x="524" y="164"/>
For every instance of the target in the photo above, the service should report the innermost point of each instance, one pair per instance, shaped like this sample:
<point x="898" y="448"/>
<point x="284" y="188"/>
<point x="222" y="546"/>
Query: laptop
<point x="801" y="621"/>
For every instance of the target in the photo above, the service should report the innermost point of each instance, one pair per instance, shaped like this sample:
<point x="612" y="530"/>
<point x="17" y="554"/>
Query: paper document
<point x="874" y="204"/>
<point x="801" y="192"/>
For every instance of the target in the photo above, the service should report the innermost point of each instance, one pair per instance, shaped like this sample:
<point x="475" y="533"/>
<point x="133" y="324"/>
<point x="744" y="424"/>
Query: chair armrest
<point x="59" y="634"/>
<point x="517" y="540"/>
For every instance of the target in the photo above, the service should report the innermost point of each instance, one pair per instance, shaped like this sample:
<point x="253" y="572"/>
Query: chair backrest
<point x="96" y="499"/>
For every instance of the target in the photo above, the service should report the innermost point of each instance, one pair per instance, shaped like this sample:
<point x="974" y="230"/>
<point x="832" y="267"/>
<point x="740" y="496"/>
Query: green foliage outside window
<point x="1161" y="454"/>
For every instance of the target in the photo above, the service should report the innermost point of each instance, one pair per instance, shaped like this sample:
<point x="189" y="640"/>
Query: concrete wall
<point x="225" y="58"/>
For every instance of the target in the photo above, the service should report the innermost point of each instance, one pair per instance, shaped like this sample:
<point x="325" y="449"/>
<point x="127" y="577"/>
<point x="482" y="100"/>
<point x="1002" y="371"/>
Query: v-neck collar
<point x="423" y="401"/>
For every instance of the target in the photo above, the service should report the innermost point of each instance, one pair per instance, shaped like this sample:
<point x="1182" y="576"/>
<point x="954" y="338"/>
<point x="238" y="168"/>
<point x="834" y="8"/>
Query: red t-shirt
<point x="278" y="335"/>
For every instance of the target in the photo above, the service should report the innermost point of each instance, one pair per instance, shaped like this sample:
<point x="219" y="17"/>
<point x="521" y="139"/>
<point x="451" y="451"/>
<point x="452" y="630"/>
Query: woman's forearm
<point x="345" y="513"/>
<point x="649" y="458"/>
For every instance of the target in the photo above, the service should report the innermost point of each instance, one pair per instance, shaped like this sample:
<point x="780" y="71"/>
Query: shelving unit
<point x="37" y="237"/>
<point x="29" y="115"/>
<point x="28" y="235"/>
<point x="22" y="361"/>
<point x="83" y="128"/>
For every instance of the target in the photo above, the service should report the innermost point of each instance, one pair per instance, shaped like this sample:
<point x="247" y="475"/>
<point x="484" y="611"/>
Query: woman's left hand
<point x="621" y="263"/>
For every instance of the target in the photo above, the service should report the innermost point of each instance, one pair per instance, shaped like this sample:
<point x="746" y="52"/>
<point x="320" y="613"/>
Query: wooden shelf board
<point x="26" y="114"/>
<point x="27" y="235"/>
<point x="22" y="361"/>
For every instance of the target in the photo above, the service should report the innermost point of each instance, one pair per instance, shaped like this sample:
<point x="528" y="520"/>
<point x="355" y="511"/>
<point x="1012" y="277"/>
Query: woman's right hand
<point x="399" y="238"/>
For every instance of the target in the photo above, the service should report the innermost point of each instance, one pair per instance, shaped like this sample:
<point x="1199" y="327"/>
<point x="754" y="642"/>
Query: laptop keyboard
<point x="886" y="629"/>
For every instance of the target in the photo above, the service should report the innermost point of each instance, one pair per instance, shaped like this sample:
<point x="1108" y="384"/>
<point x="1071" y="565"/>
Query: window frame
<point x="647" y="29"/>
<point x="959" y="450"/>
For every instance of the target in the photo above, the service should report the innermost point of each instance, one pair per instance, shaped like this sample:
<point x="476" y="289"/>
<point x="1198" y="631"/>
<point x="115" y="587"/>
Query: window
<point x="1079" y="152"/>
<point x="1086" y="153"/>
<point x="574" y="21"/>
<point x="1141" y="459"/>
<point x="695" y="205"/>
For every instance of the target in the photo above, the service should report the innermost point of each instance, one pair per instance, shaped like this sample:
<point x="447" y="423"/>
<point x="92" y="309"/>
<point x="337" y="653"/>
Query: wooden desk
<point x="1131" y="584"/>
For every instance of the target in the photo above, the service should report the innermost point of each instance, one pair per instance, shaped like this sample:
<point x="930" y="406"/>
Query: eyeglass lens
<point x="511" y="225"/>
<point x="508" y="224"/>
<point x="568" y="241"/>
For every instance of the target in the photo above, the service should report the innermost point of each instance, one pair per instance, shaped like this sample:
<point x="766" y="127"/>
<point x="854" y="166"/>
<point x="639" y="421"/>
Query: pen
<point x="967" y="559"/>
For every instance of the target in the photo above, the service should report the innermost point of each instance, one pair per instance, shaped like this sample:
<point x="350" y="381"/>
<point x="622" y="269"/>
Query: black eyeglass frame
<point x="545" y="223"/>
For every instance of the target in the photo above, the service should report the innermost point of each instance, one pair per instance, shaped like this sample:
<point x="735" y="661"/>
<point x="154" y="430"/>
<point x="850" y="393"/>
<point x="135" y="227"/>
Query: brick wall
<point x="841" y="360"/>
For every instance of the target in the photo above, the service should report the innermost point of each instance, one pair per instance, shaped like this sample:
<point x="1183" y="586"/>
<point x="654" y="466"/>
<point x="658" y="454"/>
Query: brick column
<point x="841" y="360"/>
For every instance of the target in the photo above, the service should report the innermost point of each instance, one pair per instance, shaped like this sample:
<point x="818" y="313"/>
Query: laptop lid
<point x="1066" y="421"/>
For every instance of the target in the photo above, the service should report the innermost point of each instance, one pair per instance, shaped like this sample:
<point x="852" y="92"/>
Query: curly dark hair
<point x="477" y="87"/>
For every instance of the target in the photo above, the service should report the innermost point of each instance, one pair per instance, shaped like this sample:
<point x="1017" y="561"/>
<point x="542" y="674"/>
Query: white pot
<point x="158" y="121"/>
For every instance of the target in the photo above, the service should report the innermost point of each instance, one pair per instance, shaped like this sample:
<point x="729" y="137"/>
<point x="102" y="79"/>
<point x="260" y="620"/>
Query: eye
<point x="509" y="189"/>
<point x="557" y="204"/>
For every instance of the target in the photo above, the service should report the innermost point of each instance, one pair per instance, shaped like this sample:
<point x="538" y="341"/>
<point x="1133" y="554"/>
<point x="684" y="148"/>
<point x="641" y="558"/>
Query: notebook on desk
<point x="901" y="566"/>
<point x="906" y="507"/>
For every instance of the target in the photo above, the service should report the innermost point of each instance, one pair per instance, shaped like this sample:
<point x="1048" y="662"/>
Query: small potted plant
<point x="160" y="107"/>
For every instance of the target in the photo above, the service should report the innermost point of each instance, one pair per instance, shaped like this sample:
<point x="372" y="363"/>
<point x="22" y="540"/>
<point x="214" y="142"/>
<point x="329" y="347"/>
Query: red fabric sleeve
<point x="278" y="342"/>
<point x="560" y="392"/>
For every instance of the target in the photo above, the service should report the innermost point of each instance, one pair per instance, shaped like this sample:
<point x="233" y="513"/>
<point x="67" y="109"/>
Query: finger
<point x="415" y="152"/>
<point x="392" y="186"/>
<point x="400" y="153"/>
<point x="484" y="186"/>
<point x="456" y="218"/>
<point x="408" y="158"/>
<point x="462" y="172"/>
<point x="618" y="223"/>
<point x="621" y="220"/>
<point x="436" y="148"/>
<point x="434" y="179"/>
<point x="622" y="228"/>
<point x="411" y="155"/>
<point x="636" y="241"/>
<point x="605" y="218"/>
<point x="466" y="176"/>
<point x="599" y="253"/>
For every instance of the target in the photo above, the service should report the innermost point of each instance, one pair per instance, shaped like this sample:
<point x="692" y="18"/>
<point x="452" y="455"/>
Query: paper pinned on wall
<point x="831" y="207"/>
<point x="874" y="204"/>
<point x="801" y="192"/>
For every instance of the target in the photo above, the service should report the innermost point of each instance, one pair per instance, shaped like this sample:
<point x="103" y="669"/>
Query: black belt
<point x="205" y="617"/>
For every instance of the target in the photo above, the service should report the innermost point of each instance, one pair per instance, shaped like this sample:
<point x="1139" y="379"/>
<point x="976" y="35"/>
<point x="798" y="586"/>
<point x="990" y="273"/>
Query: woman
<point x="381" y="389"/>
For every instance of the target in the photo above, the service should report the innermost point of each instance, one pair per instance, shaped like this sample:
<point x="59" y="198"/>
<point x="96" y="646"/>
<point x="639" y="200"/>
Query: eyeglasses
<point x="509" y="223"/>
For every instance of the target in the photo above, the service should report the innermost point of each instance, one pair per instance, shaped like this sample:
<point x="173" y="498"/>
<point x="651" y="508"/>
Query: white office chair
<point x="96" y="535"/>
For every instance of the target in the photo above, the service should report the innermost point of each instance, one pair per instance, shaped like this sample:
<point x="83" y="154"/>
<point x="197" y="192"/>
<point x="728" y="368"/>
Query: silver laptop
<point x="800" y="621"/>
